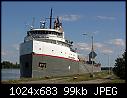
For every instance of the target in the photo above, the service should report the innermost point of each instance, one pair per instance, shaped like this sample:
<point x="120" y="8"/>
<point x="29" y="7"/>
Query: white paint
<point x="54" y="37"/>
<point x="40" y="47"/>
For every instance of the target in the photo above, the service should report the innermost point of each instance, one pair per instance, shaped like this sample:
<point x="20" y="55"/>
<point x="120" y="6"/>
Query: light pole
<point x="108" y="63"/>
<point x="92" y="50"/>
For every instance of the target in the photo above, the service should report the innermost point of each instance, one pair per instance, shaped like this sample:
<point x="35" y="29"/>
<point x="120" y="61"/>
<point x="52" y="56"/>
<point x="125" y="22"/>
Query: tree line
<point x="119" y="67"/>
<point x="8" y="64"/>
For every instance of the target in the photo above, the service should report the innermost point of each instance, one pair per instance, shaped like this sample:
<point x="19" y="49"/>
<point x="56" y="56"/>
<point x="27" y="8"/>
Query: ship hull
<point x="39" y="65"/>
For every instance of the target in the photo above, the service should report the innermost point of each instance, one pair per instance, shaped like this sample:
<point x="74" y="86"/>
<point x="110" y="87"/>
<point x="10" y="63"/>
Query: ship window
<point x="55" y="33"/>
<point x="40" y="32"/>
<point x="43" y="32"/>
<point x="49" y="32"/>
<point x="46" y="32"/>
<point x="42" y="65"/>
<point x="31" y="32"/>
<point x="37" y="32"/>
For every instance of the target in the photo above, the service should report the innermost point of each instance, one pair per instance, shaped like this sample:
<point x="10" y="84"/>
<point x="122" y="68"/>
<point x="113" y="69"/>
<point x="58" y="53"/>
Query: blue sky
<point x="105" y="21"/>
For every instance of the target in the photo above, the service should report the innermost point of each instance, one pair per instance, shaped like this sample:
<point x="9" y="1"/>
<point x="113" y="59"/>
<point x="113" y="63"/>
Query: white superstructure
<point x="49" y="42"/>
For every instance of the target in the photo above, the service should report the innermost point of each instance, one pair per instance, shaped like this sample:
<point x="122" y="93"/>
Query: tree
<point x="119" y="67"/>
<point x="8" y="64"/>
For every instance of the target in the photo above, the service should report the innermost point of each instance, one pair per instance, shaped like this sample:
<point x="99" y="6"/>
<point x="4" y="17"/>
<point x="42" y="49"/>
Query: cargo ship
<point x="46" y="52"/>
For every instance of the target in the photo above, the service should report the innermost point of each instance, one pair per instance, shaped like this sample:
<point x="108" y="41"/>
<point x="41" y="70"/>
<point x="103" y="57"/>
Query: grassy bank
<point x="71" y="78"/>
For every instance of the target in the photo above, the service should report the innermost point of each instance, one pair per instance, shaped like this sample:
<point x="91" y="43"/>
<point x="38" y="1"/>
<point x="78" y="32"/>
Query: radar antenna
<point x="42" y="24"/>
<point x="32" y="26"/>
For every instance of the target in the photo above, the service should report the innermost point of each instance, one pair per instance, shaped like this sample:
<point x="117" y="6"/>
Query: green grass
<point x="85" y="77"/>
<point x="117" y="81"/>
<point x="69" y="78"/>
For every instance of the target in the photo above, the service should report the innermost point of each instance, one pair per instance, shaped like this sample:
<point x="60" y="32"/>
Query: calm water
<point x="10" y="74"/>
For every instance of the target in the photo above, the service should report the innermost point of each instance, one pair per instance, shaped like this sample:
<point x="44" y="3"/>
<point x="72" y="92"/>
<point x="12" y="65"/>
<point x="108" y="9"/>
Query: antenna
<point x="33" y="23"/>
<point x="42" y="24"/>
<point x="60" y="18"/>
<point x="50" y="25"/>
<point x="50" y="19"/>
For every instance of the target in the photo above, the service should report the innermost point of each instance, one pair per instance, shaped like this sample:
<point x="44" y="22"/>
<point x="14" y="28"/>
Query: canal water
<point x="10" y="74"/>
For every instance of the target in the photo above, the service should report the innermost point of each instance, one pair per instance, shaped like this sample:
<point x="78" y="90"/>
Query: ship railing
<point x="73" y="50"/>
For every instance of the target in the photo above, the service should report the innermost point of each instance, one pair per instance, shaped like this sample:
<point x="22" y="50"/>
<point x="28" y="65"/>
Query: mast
<point x="50" y="26"/>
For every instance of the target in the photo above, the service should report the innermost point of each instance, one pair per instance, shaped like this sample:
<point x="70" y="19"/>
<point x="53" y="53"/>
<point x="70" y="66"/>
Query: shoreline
<point x="100" y="77"/>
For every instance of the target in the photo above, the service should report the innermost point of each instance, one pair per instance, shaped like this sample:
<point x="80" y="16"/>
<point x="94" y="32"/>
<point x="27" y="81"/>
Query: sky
<point x="105" y="21"/>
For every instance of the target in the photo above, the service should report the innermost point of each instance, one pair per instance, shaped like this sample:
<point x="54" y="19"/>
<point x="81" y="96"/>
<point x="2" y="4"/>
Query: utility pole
<point x="108" y="63"/>
<point x="92" y="57"/>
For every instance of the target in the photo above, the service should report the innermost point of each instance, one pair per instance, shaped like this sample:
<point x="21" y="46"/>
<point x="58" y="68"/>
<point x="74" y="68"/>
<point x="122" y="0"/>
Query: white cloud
<point x="16" y="46"/>
<point x="117" y="42"/>
<point x="96" y="32"/>
<point x="98" y="45"/>
<point x="3" y="53"/>
<point x="106" y="50"/>
<point x="103" y="48"/>
<point x="10" y="53"/>
<point x="83" y="46"/>
<point x="87" y="47"/>
<point x="106" y="17"/>
<point x="71" y="17"/>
